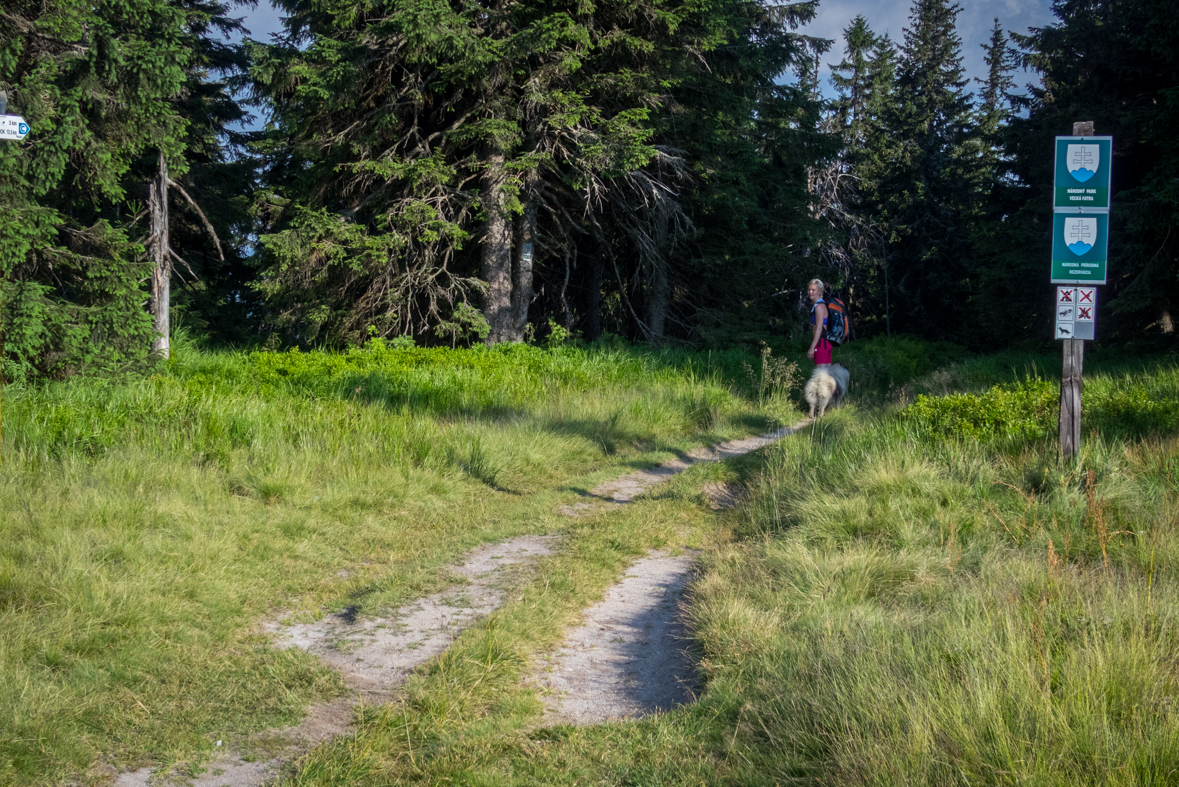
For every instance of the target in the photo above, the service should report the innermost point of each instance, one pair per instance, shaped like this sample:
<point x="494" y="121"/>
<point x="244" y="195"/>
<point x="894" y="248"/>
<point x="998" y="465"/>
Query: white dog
<point x="827" y="387"/>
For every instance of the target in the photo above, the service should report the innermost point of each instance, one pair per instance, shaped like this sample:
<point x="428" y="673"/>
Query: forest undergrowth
<point x="916" y="591"/>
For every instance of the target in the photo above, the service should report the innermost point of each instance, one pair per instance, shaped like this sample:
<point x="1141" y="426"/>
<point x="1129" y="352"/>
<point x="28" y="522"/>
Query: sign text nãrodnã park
<point x="1082" y="173"/>
<point x="1080" y="243"/>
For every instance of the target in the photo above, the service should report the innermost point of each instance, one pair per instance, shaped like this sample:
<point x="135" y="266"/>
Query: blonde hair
<point x="822" y="286"/>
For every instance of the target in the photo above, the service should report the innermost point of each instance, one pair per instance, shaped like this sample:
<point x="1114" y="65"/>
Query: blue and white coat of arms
<point x="1083" y="161"/>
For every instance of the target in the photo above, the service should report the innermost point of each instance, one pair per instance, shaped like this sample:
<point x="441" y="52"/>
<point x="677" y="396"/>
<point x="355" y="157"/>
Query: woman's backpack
<point x="838" y="323"/>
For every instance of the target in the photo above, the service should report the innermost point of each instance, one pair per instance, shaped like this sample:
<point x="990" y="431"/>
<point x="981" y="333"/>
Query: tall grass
<point x="898" y="600"/>
<point x="912" y="607"/>
<point x="147" y="524"/>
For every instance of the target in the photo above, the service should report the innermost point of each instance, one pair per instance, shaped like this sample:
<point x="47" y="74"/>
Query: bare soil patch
<point x="627" y="658"/>
<point x="723" y="495"/>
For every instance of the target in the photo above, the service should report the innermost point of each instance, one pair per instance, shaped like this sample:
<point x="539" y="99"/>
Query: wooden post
<point x="1070" y="397"/>
<point x="1072" y="370"/>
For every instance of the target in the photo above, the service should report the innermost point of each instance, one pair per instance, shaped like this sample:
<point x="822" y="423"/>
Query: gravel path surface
<point x="375" y="655"/>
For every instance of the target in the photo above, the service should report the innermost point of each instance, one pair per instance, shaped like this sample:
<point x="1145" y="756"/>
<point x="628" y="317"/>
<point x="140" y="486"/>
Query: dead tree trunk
<point x="497" y="251"/>
<point x="161" y="274"/>
<point x="657" y="295"/>
<point x="162" y="255"/>
<point x="522" y="278"/>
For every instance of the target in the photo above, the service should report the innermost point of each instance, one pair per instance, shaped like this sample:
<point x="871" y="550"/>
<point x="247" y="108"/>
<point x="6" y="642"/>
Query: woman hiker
<point x="820" y="350"/>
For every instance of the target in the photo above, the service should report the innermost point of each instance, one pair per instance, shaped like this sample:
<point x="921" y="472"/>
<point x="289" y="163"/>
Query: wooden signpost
<point x="1081" y="199"/>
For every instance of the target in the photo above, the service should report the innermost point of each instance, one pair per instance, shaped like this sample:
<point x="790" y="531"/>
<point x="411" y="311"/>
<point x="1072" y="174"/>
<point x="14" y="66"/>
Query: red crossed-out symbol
<point x="1066" y="296"/>
<point x="1084" y="312"/>
<point x="1086" y="296"/>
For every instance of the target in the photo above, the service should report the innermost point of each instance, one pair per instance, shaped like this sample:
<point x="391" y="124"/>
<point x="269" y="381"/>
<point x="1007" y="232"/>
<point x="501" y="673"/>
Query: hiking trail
<point x="626" y="660"/>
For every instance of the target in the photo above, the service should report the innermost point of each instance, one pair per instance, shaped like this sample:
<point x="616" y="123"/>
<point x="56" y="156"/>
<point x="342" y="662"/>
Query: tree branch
<point x="208" y="226"/>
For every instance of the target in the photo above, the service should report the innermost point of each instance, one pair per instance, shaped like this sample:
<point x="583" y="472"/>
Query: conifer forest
<point x="672" y="172"/>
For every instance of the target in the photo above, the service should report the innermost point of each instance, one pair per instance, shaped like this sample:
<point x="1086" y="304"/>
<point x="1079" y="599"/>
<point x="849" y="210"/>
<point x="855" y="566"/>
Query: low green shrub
<point x="1133" y="408"/>
<point x="1024" y="410"/>
<point x="1129" y="406"/>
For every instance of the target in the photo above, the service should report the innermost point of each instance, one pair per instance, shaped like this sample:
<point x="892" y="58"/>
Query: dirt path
<point x="375" y="655"/>
<point x="625" y="489"/>
<point x="627" y="658"/>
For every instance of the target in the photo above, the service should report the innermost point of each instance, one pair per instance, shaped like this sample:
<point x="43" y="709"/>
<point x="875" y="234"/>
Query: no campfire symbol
<point x="1083" y="161"/>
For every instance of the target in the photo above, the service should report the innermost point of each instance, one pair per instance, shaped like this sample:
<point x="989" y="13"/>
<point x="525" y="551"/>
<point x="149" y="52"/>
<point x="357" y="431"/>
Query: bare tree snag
<point x="522" y="279"/>
<point x="162" y="254"/>
<point x="161" y="275"/>
<point x="497" y="251"/>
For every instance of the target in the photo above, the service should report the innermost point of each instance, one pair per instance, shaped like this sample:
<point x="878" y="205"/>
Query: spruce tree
<point x="99" y="84"/>
<point x="852" y="78"/>
<point x="748" y="133"/>
<point x="417" y="146"/>
<point x="212" y="297"/>
<point x="419" y="149"/>
<point x="1002" y="266"/>
<point x="1113" y="63"/>
<point x="927" y="193"/>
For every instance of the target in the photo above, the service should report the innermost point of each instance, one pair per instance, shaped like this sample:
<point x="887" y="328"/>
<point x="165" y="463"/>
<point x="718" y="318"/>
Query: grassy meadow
<point x="916" y="591"/>
<point x="146" y="525"/>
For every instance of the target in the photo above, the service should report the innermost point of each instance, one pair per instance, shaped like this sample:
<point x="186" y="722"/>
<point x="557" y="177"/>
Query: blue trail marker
<point x="13" y="127"/>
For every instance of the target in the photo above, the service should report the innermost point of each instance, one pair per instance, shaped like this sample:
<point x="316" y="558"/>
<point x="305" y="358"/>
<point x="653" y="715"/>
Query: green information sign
<point x="1080" y="243"/>
<point x="1082" y="173"/>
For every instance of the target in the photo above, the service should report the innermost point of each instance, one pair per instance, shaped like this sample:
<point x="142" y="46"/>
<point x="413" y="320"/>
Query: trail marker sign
<point x="1080" y="247"/>
<point x="1082" y="173"/>
<point x="1080" y="243"/>
<point x="13" y="127"/>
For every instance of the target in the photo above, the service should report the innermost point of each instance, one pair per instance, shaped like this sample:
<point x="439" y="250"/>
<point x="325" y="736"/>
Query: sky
<point x="975" y="21"/>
